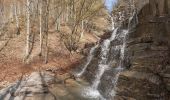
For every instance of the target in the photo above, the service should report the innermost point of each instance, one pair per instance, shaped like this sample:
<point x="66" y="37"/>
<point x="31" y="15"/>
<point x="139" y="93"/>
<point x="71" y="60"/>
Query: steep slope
<point x="13" y="45"/>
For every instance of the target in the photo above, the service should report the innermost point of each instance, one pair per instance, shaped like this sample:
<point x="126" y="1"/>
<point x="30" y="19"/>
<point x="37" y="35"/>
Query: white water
<point x="101" y="71"/>
<point x="122" y="57"/>
<point x="133" y="21"/>
<point x="92" y="91"/>
<point x="89" y="58"/>
<point x="113" y="24"/>
<point x="103" y="65"/>
<point x="122" y="53"/>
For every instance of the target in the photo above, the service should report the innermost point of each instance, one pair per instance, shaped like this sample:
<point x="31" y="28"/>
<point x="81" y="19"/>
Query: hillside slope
<point x="13" y="46"/>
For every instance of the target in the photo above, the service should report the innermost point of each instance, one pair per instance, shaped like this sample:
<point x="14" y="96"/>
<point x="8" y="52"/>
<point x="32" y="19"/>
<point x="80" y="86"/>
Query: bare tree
<point x="28" y="31"/>
<point x="44" y="26"/>
<point x="80" y="10"/>
<point x="36" y="15"/>
<point x="16" y="17"/>
<point x="41" y="35"/>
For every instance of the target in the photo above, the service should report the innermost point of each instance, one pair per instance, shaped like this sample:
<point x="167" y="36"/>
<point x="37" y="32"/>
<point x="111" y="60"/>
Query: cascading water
<point x="103" y="64"/>
<point x="122" y="53"/>
<point x="89" y="58"/>
<point x="92" y="91"/>
<point x="133" y="22"/>
<point x="113" y="24"/>
<point x="110" y="64"/>
<point x="120" y="66"/>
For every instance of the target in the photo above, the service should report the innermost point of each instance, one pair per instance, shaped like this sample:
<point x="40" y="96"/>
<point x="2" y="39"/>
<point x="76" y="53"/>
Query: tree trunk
<point x="17" y="19"/>
<point x="82" y="28"/>
<point x="28" y="30"/>
<point x="41" y="37"/>
<point x="58" y="22"/>
<point x="11" y="13"/>
<point x="46" y="29"/>
<point x="67" y="14"/>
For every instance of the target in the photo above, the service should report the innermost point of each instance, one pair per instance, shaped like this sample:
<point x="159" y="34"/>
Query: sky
<point x="109" y="4"/>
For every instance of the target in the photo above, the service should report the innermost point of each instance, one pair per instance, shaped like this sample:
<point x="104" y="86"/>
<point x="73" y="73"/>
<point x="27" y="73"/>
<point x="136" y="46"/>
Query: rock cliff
<point x="148" y="76"/>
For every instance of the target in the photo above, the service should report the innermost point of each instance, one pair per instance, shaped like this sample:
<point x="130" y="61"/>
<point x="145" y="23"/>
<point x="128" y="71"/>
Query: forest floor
<point x="12" y="52"/>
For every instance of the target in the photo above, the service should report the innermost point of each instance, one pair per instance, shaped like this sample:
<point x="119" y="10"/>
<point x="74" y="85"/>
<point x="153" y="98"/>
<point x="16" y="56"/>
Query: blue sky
<point x="109" y="4"/>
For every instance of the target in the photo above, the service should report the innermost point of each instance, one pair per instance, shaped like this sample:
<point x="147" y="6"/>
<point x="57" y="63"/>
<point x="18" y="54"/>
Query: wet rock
<point x="87" y="48"/>
<point x="168" y="87"/>
<point x="44" y="86"/>
<point x="140" y="40"/>
<point x="91" y="70"/>
<point x="139" y="87"/>
<point x="148" y="54"/>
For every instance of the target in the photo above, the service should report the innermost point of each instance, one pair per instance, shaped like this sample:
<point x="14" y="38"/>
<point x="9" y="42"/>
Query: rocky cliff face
<point x="148" y="76"/>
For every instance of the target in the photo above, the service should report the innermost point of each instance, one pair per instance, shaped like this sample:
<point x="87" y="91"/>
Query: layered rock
<point x="148" y="76"/>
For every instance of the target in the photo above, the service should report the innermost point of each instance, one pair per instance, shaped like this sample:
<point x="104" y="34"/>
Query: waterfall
<point x="122" y="53"/>
<point x="103" y="65"/>
<point x="120" y="66"/>
<point x="89" y="58"/>
<point x="112" y="50"/>
<point x="133" y="22"/>
<point x="112" y="21"/>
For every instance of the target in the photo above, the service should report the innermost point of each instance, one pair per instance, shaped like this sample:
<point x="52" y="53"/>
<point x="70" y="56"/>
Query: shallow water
<point x="75" y="90"/>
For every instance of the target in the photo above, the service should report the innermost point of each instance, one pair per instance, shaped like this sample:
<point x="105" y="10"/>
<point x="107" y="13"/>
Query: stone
<point x="166" y="75"/>
<point x="138" y="40"/>
<point x="168" y="87"/>
<point x="159" y="7"/>
<point x="148" y="76"/>
<point x="44" y="86"/>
